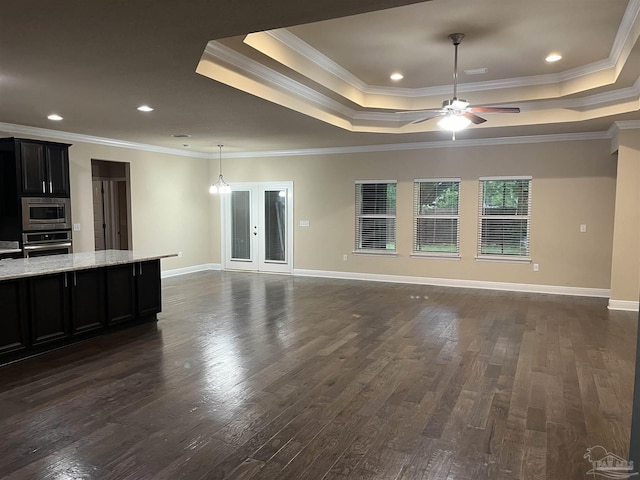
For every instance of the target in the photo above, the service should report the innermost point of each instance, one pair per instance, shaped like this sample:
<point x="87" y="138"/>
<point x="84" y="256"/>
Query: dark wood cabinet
<point x="149" y="288"/>
<point x="121" y="294"/>
<point x="88" y="300"/>
<point x="39" y="169"/>
<point x="45" y="169"/>
<point x="48" y="311"/>
<point x="49" y="308"/>
<point x="13" y="327"/>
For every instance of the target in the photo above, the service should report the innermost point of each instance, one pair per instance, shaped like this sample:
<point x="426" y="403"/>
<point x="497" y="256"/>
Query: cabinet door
<point x="57" y="160"/>
<point x="13" y="327"/>
<point x="120" y="294"/>
<point x="88" y="300"/>
<point x="49" y="308"/>
<point x="149" y="288"/>
<point x="33" y="164"/>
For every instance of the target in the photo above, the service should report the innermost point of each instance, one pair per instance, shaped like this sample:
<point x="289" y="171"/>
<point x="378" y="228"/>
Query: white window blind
<point x="504" y="217"/>
<point x="376" y="216"/>
<point x="436" y="225"/>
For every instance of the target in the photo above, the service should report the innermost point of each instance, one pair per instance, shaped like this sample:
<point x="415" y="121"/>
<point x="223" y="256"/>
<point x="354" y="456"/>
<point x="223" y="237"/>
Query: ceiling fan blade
<point x="475" y="119"/>
<point x="428" y="111"/>
<point x="420" y="120"/>
<point x="494" y="110"/>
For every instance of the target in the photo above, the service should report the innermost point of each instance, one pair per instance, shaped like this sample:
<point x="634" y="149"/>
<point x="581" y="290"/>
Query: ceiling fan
<point x="456" y="112"/>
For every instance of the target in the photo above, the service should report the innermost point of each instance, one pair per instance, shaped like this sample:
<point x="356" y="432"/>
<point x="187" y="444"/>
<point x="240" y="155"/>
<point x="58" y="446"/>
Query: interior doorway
<point x="257" y="221"/>
<point x="111" y="205"/>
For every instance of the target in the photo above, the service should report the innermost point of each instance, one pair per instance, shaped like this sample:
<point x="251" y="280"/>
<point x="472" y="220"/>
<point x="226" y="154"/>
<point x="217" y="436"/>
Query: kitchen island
<point x="48" y="302"/>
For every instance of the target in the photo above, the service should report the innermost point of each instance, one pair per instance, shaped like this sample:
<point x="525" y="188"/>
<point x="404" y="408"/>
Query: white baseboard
<point x="186" y="270"/>
<point x="451" y="282"/>
<point x="625" y="305"/>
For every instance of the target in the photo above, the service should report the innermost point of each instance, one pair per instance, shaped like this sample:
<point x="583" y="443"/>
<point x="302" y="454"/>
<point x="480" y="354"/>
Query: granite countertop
<point x="31" y="267"/>
<point x="9" y="247"/>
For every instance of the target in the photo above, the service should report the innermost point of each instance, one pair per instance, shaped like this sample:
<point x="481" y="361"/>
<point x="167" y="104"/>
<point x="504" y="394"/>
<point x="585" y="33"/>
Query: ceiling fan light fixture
<point x="454" y="123"/>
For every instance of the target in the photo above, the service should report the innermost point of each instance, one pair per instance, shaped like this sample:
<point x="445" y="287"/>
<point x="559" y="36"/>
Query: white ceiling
<point x="94" y="62"/>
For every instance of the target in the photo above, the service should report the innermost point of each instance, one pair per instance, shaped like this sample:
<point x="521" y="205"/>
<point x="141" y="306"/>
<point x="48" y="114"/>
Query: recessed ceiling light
<point x="181" y="135"/>
<point x="55" y="117"/>
<point x="396" y="76"/>
<point x="145" y="108"/>
<point x="553" y="57"/>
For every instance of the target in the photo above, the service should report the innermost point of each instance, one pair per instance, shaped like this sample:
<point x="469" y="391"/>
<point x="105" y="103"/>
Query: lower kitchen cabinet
<point x="121" y="294"/>
<point x="49" y="308"/>
<point x="88" y="300"/>
<point x="14" y="335"/>
<point x="149" y="288"/>
<point x="47" y="311"/>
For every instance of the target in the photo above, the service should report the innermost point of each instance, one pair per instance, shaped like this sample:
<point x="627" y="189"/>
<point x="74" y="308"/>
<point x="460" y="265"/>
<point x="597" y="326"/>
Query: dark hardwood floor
<point x="251" y="376"/>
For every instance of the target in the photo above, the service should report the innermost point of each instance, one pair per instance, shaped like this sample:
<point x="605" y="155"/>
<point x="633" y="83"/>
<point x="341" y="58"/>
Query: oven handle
<point x="47" y="246"/>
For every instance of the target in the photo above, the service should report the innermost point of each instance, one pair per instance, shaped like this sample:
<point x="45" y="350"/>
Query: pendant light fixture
<point x="220" y="186"/>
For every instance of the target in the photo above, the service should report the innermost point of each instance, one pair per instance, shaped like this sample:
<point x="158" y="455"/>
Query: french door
<point x="257" y="220"/>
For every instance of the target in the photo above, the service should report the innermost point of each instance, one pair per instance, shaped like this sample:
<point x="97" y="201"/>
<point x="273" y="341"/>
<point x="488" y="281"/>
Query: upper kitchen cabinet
<point x="41" y="168"/>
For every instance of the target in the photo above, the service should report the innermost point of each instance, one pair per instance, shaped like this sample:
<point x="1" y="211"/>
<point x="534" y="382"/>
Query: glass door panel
<point x="275" y="226"/>
<point x="241" y="225"/>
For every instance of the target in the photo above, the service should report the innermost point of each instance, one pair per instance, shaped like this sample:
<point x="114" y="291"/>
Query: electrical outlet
<point x="536" y="267"/>
<point x="345" y="258"/>
<point x="179" y="254"/>
<point x="583" y="228"/>
<point x="76" y="227"/>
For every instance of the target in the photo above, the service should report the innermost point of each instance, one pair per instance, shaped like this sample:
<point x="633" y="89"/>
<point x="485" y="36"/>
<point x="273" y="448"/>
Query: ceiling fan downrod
<point x="456" y="38"/>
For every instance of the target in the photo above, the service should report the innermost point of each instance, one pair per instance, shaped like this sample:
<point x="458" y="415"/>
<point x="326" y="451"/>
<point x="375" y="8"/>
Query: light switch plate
<point x="304" y="223"/>
<point x="76" y="227"/>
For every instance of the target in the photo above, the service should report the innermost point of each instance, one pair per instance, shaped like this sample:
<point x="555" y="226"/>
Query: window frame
<point x="504" y="257"/>
<point x="359" y="215"/>
<point x="417" y="215"/>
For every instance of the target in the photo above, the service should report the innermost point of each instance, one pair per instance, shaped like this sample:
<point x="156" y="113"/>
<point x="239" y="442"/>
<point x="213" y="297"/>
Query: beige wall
<point x="573" y="183"/>
<point x="625" y="269"/>
<point x="170" y="206"/>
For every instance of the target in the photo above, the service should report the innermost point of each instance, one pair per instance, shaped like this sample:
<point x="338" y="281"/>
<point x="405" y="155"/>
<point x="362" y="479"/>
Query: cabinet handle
<point x="140" y="269"/>
<point x="50" y="186"/>
<point x="65" y="281"/>
<point x="74" y="279"/>
<point x="133" y="267"/>
<point x="44" y="188"/>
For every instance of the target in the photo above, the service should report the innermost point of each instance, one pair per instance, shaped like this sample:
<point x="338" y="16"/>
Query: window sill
<point x="502" y="259"/>
<point x="436" y="256"/>
<point x="374" y="253"/>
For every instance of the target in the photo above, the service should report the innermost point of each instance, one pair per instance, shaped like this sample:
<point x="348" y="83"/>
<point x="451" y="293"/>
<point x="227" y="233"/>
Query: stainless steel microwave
<point x="40" y="213"/>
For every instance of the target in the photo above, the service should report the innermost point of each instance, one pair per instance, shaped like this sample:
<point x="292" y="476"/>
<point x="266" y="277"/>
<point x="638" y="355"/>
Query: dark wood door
<point x="121" y="306"/>
<point x="88" y="300"/>
<point x="32" y="159"/>
<point x="149" y="288"/>
<point x="13" y="327"/>
<point x="49" y="308"/>
<point x="57" y="160"/>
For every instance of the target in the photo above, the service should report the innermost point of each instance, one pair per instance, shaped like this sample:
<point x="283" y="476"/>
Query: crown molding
<point x="392" y="147"/>
<point x="398" y="147"/>
<point x="624" y="40"/>
<point x="110" y="142"/>
<point x="281" y="82"/>
<point x="216" y="51"/>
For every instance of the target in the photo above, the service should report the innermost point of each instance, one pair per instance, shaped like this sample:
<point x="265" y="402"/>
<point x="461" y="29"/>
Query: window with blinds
<point x="436" y="218"/>
<point x="376" y="216"/>
<point x="505" y="216"/>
